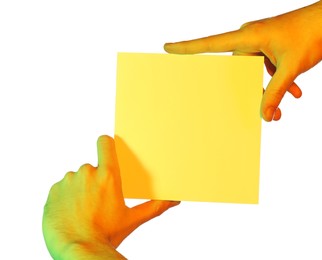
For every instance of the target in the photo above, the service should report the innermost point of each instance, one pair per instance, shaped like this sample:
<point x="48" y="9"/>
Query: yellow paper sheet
<point x="188" y="127"/>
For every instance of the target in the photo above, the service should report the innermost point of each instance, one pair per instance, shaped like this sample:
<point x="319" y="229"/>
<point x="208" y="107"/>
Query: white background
<point x="57" y="90"/>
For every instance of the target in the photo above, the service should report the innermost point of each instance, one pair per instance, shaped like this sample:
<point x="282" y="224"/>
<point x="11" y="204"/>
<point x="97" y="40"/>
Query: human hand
<point x="85" y="216"/>
<point x="291" y="44"/>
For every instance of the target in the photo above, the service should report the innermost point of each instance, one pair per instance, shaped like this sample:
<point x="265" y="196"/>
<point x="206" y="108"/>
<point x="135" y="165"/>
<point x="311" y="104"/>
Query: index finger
<point x="106" y="152"/>
<point x="224" y="42"/>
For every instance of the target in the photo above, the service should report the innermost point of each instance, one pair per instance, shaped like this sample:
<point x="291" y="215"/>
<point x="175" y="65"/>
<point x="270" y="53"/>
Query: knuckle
<point x="69" y="175"/>
<point x="254" y="34"/>
<point x="256" y="28"/>
<point x="86" y="168"/>
<point x="245" y="25"/>
<point x="54" y="188"/>
<point x="54" y="191"/>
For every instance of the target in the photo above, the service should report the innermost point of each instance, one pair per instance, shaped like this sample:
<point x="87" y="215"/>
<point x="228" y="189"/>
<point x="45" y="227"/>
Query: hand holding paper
<point x="85" y="216"/>
<point x="188" y="127"/>
<point x="290" y="43"/>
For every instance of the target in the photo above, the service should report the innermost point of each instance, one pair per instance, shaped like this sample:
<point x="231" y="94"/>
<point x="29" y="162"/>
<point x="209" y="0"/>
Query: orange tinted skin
<point x="85" y="216"/>
<point x="291" y="44"/>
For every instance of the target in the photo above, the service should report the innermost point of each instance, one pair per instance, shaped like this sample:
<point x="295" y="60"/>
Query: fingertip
<point x="169" y="47"/>
<point x="105" y="150"/>
<point x="277" y="115"/>
<point x="295" y="90"/>
<point x="151" y="209"/>
<point x="164" y="205"/>
<point x="298" y="93"/>
<point x="174" y="203"/>
<point x="104" y="139"/>
<point x="104" y="142"/>
<point x="268" y="114"/>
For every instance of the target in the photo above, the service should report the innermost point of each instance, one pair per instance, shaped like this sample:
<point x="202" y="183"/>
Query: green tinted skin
<point x="85" y="216"/>
<point x="291" y="44"/>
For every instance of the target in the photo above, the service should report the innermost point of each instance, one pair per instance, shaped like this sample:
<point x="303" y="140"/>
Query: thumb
<point x="275" y="91"/>
<point x="150" y="209"/>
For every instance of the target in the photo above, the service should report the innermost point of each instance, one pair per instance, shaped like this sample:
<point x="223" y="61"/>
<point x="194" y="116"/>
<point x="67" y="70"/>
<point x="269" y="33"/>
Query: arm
<point x="85" y="216"/>
<point x="291" y="44"/>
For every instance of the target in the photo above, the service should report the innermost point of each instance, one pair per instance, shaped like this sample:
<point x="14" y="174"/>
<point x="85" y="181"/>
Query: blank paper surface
<point x="188" y="127"/>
